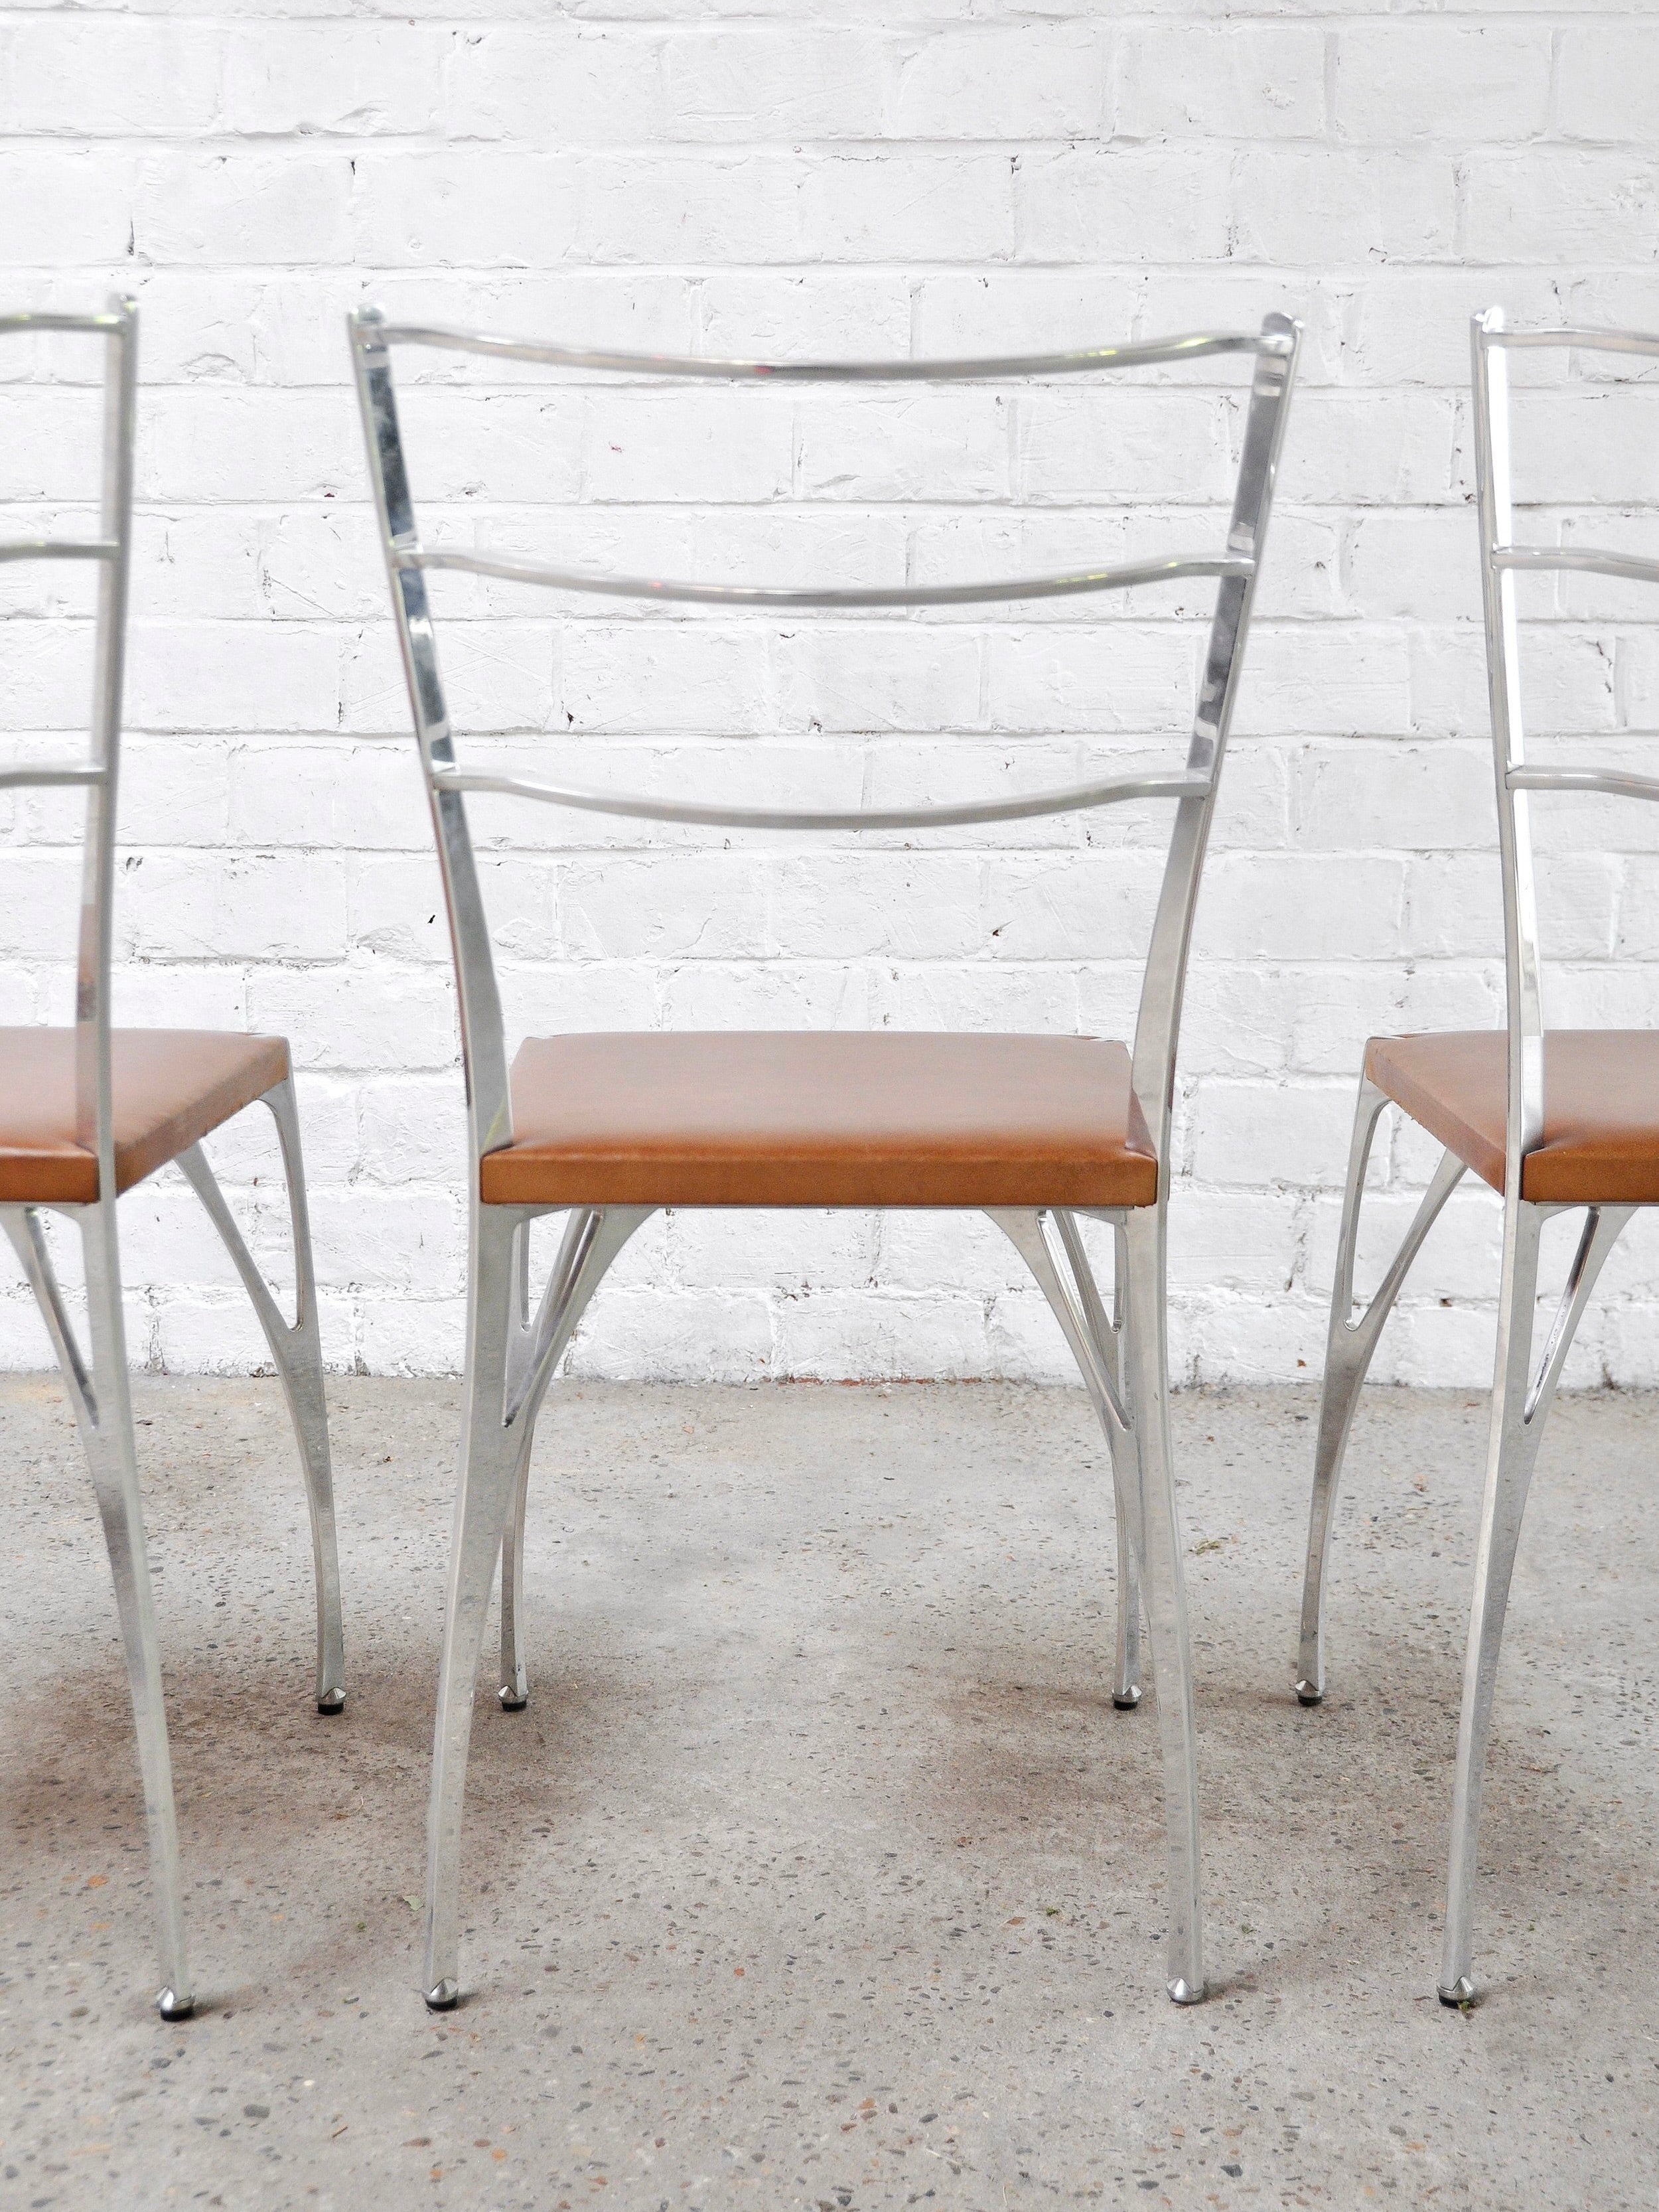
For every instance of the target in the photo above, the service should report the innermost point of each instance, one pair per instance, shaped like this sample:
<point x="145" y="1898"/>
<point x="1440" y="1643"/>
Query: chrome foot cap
<point x="1126" y="1701"/>
<point x="331" y="1701"/>
<point x="513" y="1701"/>
<point x="1309" y="1695"/>
<point x="1461" y="1993"/>
<point x="1186" y="1992"/>
<point x="444" y="1997"/>
<point x="172" y="2005"/>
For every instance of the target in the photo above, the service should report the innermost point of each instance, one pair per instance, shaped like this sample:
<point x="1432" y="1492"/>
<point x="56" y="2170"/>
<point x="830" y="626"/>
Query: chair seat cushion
<point x="170" y="1088"/>
<point x="1601" y="1144"/>
<point x="825" y="1118"/>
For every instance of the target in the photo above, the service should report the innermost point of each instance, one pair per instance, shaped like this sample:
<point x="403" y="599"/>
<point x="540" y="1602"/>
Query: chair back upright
<point x="1272" y="352"/>
<point x="112" y="551"/>
<point x="1501" y="561"/>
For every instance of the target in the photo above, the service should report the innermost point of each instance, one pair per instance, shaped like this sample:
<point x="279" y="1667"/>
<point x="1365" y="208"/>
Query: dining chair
<point x="1555" y="1120"/>
<point x="606" y="1129"/>
<point x="89" y="1111"/>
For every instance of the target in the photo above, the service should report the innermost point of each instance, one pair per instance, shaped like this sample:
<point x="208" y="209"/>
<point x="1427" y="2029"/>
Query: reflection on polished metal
<point x="1105" y="792"/>
<point x="1170" y="570"/>
<point x="1195" y="345"/>
<point x="1522" y="1392"/>
<point x="1123" y="1359"/>
<point x="1349" y="1346"/>
<point x="97" y="1381"/>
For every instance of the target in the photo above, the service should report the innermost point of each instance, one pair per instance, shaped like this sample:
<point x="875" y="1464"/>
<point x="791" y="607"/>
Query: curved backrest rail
<point x="1168" y="570"/>
<point x="1583" y="340"/>
<point x="28" y="320"/>
<point x="1581" y="560"/>
<point x="33" y="778"/>
<point x="1195" y="345"/>
<point x="60" y="549"/>
<point x="1074" y="798"/>
<point x="1273" y="349"/>
<point x="1616" y="782"/>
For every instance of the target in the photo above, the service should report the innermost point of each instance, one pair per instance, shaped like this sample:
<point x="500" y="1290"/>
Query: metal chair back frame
<point x="97" y="1380"/>
<point x="511" y="1354"/>
<point x="1523" y="1388"/>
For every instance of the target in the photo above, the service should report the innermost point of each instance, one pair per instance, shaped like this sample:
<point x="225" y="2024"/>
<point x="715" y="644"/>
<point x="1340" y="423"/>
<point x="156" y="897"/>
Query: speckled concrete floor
<point x="820" y="1872"/>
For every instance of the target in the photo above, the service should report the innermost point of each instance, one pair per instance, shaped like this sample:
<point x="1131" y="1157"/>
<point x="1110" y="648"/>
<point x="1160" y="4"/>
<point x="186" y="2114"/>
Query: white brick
<point x="1134" y="204"/>
<point x="127" y="76"/>
<point x="242" y="207"/>
<point x="360" y="80"/>
<point x="1248" y="81"/>
<point x="1460" y="83"/>
<point x="743" y="85"/>
<point x="1561" y="206"/>
<point x="1028" y="81"/>
<point x="554" y="85"/>
<point x="910" y="206"/>
<point x="1309" y="208"/>
<point x="1603" y="72"/>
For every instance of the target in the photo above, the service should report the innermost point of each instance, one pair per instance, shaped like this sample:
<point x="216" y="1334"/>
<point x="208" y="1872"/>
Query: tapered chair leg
<point x="1519" y="1408"/>
<point x="103" y="1412"/>
<point x="1095" y="1347"/>
<point x="592" y="1237"/>
<point x="1165" y="1589"/>
<point x="1125" y="1670"/>
<point x="1350" y="1343"/>
<point x="1108" y="1336"/>
<point x="489" y="1456"/>
<point x="508" y="1368"/>
<point x="296" y="1348"/>
<point x="514" y="1690"/>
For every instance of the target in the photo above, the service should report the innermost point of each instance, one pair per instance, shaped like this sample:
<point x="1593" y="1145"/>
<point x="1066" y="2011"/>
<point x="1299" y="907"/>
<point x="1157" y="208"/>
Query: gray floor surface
<point x="821" y="1872"/>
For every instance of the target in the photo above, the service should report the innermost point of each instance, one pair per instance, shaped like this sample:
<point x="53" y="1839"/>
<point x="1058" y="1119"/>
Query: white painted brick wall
<point x="834" y="178"/>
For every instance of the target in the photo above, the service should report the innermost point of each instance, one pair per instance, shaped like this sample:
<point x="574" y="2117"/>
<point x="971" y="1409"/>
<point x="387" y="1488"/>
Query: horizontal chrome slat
<point x="1074" y="798"/>
<point x="12" y="779"/>
<point x="19" y="326"/>
<point x="1589" y="340"/>
<point x="755" y="595"/>
<point x="1193" y="346"/>
<point x="1616" y="782"/>
<point x="58" y="549"/>
<point x="1584" y="560"/>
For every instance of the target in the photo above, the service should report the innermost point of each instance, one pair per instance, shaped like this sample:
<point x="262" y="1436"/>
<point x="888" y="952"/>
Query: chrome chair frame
<point x="511" y="1354"/>
<point x="1521" y="1389"/>
<point x="97" y="1380"/>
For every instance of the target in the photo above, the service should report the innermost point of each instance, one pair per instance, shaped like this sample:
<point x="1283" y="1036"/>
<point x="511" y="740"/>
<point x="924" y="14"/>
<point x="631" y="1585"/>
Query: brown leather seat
<point x="829" y="1118"/>
<point x="172" y="1087"/>
<point x="1601" y="1144"/>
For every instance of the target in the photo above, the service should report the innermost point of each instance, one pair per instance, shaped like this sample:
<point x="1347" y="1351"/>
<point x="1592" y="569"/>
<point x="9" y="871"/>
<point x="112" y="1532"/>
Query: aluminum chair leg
<point x="103" y="1412"/>
<point x="592" y="1237"/>
<point x="1154" y="1529"/>
<point x="1520" y="1407"/>
<point x="297" y="1350"/>
<point x="507" y="1371"/>
<point x="1095" y="1347"/>
<point x="515" y="1689"/>
<point x="1350" y="1343"/>
<point x="1126" y="1687"/>
<point x="1165" y="1593"/>
<point x="489" y="1452"/>
<point x="1109" y="1335"/>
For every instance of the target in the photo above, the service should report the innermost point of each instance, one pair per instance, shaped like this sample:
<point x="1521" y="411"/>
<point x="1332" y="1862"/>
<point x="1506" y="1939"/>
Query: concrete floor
<point x="820" y="1872"/>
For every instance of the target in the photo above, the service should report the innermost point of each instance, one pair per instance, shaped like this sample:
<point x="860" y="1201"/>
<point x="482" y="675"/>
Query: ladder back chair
<point x="89" y="1111"/>
<point x="1554" y="1121"/>
<point x="608" y="1128"/>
